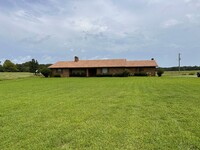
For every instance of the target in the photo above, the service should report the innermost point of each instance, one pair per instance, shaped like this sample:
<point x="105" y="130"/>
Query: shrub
<point x="123" y="74"/>
<point x="126" y="73"/>
<point x="46" y="72"/>
<point x="78" y="74"/>
<point x="191" y="73"/>
<point x="160" y="72"/>
<point x="57" y="75"/>
<point x="140" y="74"/>
<point x="104" y="75"/>
<point x="198" y="74"/>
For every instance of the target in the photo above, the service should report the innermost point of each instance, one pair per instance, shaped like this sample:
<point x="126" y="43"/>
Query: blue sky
<point x="54" y="30"/>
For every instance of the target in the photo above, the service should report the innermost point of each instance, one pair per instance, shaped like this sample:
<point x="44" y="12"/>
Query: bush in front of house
<point x="104" y="75"/>
<point x="78" y="74"/>
<point x="160" y="72"/>
<point x="123" y="74"/>
<point x="46" y="72"/>
<point x="140" y="74"/>
<point x="191" y="73"/>
<point x="198" y="74"/>
<point x="57" y="75"/>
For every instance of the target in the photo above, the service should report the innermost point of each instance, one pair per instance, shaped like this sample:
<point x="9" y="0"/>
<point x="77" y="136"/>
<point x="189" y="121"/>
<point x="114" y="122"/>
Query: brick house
<point x="91" y="68"/>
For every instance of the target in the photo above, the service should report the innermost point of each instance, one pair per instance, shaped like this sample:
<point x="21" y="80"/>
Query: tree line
<point x="183" y="68"/>
<point x="29" y="66"/>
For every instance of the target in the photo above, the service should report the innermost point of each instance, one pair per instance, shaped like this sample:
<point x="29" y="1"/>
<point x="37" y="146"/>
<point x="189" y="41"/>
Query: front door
<point x="92" y="72"/>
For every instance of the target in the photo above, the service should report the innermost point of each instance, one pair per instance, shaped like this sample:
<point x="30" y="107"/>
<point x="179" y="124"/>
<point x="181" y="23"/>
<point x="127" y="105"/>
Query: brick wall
<point x="63" y="73"/>
<point x="115" y="70"/>
<point x="150" y="70"/>
<point x="99" y="70"/>
<point x="132" y="70"/>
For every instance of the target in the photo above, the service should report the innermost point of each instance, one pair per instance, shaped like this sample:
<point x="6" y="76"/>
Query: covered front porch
<point x="83" y="72"/>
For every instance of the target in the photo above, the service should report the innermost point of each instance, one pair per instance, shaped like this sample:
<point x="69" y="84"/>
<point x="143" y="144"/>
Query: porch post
<point x="87" y="73"/>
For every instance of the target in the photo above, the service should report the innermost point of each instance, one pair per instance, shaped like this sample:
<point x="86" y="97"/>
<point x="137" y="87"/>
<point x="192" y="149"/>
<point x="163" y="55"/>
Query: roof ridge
<point x="143" y="60"/>
<point x="101" y="59"/>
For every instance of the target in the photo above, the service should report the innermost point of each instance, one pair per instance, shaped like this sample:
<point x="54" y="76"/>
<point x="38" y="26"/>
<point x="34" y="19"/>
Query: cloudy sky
<point x="54" y="30"/>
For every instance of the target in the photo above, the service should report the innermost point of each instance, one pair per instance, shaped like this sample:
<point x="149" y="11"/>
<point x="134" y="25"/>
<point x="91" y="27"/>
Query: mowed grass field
<point x="181" y="73"/>
<point x="100" y="113"/>
<point x="14" y="75"/>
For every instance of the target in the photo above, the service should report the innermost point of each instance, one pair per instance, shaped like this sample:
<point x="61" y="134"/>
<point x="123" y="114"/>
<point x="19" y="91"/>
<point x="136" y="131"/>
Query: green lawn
<point x="181" y="73"/>
<point x="14" y="75"/>
<point x="100" y="113"/>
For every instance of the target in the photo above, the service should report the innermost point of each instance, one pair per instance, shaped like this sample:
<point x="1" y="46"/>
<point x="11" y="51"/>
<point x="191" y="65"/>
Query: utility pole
<point x="179" y="62"/>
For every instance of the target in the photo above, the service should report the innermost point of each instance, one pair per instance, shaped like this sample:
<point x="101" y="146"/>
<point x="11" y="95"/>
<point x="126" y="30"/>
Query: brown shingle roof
<point x="141" y="63"/>
<point x="104" y="63"/>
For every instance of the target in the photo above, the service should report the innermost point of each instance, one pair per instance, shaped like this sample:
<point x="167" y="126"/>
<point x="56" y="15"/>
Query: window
<point x="104" y="70"/>
<point x="141" y="69"/>
<point x="78" y="72"/>
<point x="58" y="70"/>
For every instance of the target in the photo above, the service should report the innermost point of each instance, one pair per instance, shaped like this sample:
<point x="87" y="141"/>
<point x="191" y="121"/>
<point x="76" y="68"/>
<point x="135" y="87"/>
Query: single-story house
<point x="91" y="68"/>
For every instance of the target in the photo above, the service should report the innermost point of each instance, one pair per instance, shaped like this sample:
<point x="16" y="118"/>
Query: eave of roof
<point x="104" y="63"/>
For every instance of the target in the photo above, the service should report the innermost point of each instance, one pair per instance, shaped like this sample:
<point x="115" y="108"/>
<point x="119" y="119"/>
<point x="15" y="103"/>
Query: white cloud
<point x="155" y="1"/>
<point x="21" y="59"/>
<point x="36" y="39"/>
<point x="49" y="59"/>
<point x="88" y="26"/>
<point x="170" y="23"/>
<point x="187" y="1"/>
<point x="193" y="18"/>
<point x="193" y="3"/>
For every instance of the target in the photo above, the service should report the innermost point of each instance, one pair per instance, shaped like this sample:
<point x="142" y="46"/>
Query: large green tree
<point x="24" y="67"/>
<point x="1" y="68"/>
<point x="9" y="66"/>
<point x="33" y="65"/>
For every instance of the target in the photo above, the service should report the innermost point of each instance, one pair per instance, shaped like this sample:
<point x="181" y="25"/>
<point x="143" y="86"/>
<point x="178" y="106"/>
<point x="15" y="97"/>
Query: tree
<point x="24" y="67"/>
<point x="1" y="68"/>
<point x="9" y="66"/>
<point x="160" y="72"/>
<point x="41" y="66"/>
<point x="46" y="72"/>
<point x="33" y="65"/>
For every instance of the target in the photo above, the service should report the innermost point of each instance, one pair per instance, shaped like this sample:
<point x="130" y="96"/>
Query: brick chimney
<point x="76" y="59"/>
